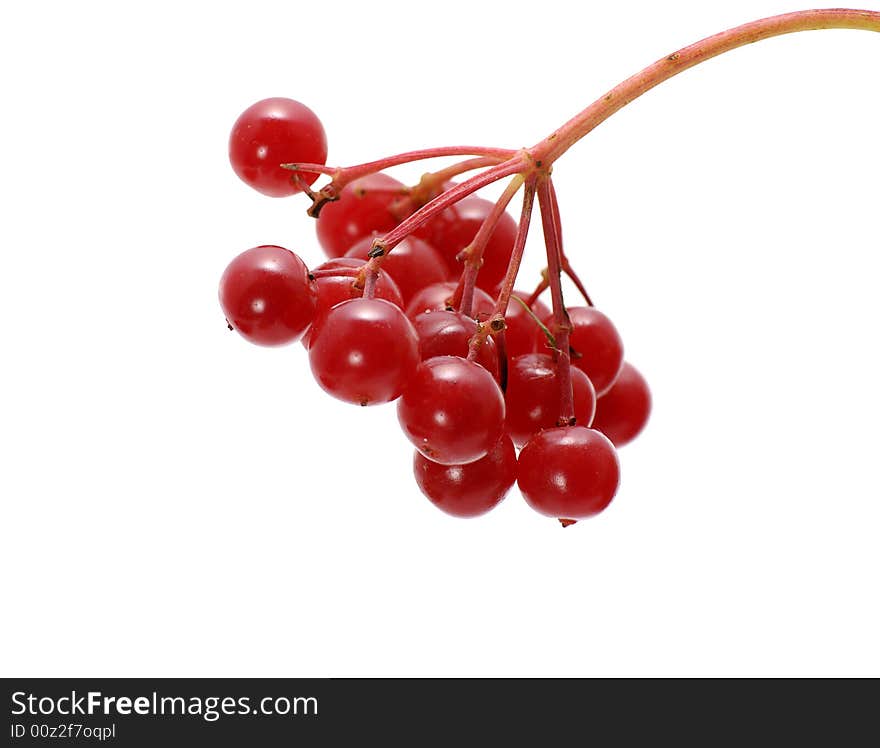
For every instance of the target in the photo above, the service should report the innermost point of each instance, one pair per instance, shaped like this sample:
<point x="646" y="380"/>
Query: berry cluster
<point x="476" y="371"/>
<point x="417" y="301"/>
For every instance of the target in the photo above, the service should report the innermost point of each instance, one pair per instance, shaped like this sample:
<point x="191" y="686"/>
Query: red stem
<point x="561" y="326"/>
<point x="495" y="324"/>
<point x="566" y="265"/>
<point x="431" y="184"/>
<point x="519" y="245"/>
<point x="558" y="142"/>
<point x="473" y="253"/>
<point x="383" y="245"/>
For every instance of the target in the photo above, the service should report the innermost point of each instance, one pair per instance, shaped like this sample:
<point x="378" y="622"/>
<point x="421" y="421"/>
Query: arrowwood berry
<point x="455" y="228"/>
<point x="413" y="264"/>
<point x="273" y="132"/>
<point x="570" y="472"/>
<point x="468" y="490"/>
<point x="622" y="412"/>
<point x="448" y="333"/>
<point x="363" y="351"/>
<point x="532" y="397"/>
<point x="521" y="329"/>
<point x="452" y="410"/>
<point x="371" y="205"/>
<point x="438" y="296"/>
<point x="266" y="295"/>
<point x="596" y="346"/>
<point x="334" y="289"/>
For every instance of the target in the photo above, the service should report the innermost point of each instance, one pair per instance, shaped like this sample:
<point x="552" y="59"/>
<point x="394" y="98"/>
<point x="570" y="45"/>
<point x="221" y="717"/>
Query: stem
<point x="566" y="265"/>
<point x="473" y="253"/>
<point x="561" y="325"/>
<point x="495" y="323"/>
<point x="552" y="147"/>
<point x="383" y="245"/>
<point x="519" y="245"/>
<point x="431" y="184"/>
<point x="342" y="176"/>
<point x="371" y="277"/>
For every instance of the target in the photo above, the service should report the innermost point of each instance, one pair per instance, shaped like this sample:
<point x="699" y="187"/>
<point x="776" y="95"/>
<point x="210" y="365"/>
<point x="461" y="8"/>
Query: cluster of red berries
<point x="469" y="393"/>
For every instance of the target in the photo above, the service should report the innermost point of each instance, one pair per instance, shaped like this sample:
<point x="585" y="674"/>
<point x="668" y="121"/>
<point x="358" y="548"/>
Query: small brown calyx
<point x="320" y="199"/>
<point x="497" y="324"/>
<point x="567" y="522"/>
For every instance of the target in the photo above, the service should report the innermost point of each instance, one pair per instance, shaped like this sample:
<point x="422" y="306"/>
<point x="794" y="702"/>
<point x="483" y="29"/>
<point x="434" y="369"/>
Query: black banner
<point x="276" y="712"/>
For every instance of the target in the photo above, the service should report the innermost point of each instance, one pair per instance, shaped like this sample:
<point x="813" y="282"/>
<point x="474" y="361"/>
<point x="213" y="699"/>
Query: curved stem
<point x="341" y="177"/>
<point x="552" y="147"/>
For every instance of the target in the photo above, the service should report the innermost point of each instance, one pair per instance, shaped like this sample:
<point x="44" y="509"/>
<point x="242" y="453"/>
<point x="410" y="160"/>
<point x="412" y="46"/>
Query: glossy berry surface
<point x="266" y="295"/>
<point x="332" y="289"/>
<point x="596" y="346"/>
<point x="437" y="296"/>
<point x="468" y="490"/>
<point x="533" y="396"/>
<point x="569" y="472"/>
<point x="623" y="411"/>
<point x="455" y="228"/>
<point x="373" y="204"/>
<point x="448" y="333"/>
<point x="522" y="331"/>
<point x="363" y="351"/>
<point x="413" y="264"/>
<point x="452" y="410"/>
<point x="273" y="132"/>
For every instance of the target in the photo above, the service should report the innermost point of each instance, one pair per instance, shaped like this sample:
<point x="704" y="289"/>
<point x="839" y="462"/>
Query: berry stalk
<point x="558" y="142"/>
<point x="432" y="183"/>
<point x="473" y="253"/>
<point x="495" y="324"/>
<point x="383" y="245"/>
<point x="561" y="327"/>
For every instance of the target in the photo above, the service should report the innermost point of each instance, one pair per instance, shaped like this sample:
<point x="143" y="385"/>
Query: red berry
<point x="454" y="229"/>
<point x="438" y="295"/>
<point x="274" y="132"/>
<point x="468" y="490"/>
<point x="533" y="396"/>
<point x="332" y="289"/>
<point x="570" y="472"/>
<point x="623" y="411"/>
<point x="413" y="264"/>
<point x="521" y="331"/>
<point x="363" y="351"/>
<point x="596" y="346"/>
<point x="448" y="333"/>
<point x="266" y="295"/>
<point x="373" y="204"/>
<point x="452" y="410"/>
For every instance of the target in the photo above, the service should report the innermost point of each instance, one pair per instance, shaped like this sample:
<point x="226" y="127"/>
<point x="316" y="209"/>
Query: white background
<point x="176" y="502"/>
